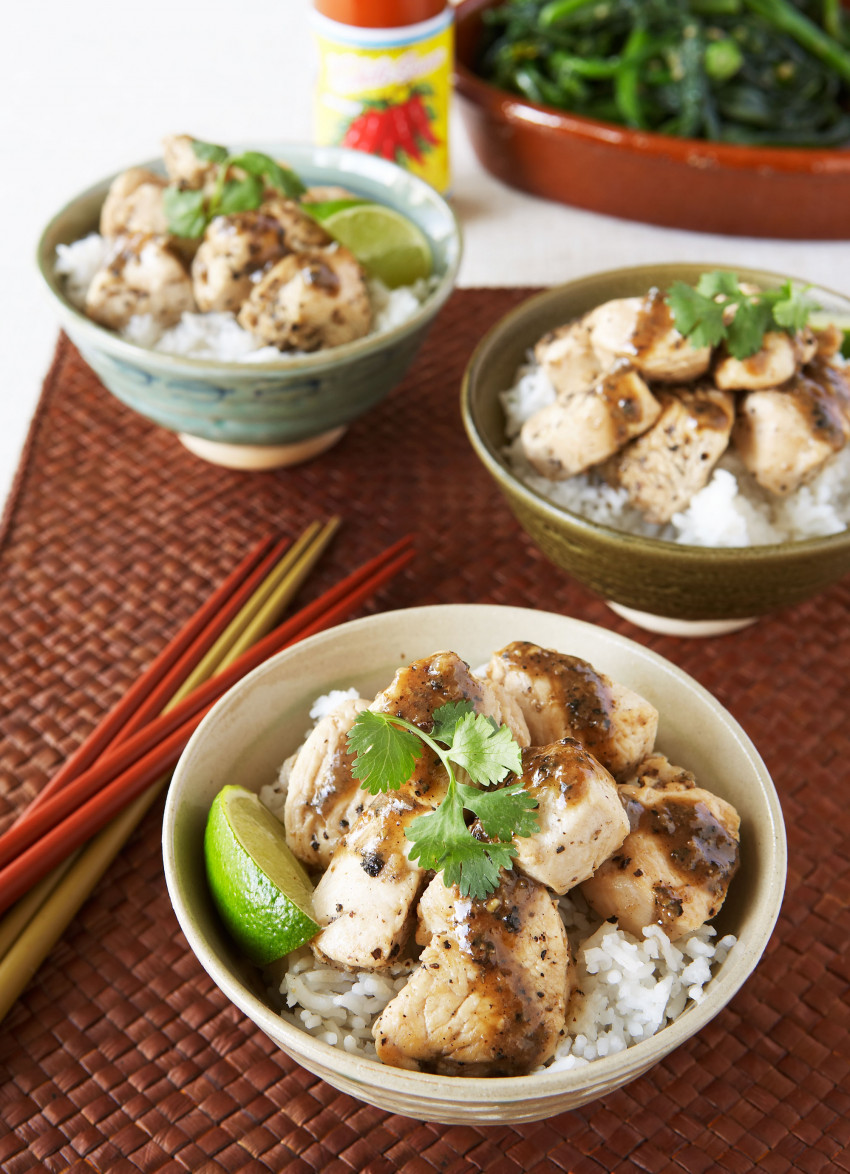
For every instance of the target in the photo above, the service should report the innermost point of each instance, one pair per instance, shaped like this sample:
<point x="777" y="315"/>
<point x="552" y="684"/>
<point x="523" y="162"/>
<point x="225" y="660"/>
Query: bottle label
<point x="386" y="92"/>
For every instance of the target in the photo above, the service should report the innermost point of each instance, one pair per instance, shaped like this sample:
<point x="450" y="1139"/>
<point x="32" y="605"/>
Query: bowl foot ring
<point x="259" y="457"/>
<point x="670" y="626"/>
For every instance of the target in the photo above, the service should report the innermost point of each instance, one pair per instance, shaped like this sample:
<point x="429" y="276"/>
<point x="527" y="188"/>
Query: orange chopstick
<point x="78" y="812"/>
<point x="185" y="649"/>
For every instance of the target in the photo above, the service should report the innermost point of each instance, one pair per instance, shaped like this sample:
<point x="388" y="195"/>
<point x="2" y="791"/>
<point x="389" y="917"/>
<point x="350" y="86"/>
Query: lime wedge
<point x="262" y="893"/>
<point x="387" y="244"/>
<point x="321" y="209"/>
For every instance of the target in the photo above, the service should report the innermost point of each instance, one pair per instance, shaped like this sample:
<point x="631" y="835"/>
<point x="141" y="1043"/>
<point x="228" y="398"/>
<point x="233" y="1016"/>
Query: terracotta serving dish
<point x="680" y="183"/>
<point x="664" y="586"/>
<point x="263" y="719"/>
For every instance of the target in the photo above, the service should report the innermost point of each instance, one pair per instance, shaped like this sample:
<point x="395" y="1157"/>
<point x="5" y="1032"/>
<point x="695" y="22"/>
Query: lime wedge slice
<point x="387" y="244"/>
<point x="262" y="893"/>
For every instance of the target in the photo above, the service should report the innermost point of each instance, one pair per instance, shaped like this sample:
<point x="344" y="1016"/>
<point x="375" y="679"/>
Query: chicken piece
<point x="562" y="696"/>
<point x="370" y="869"/>
<point x="490" y="995"/>
<point x="233" y="255"/>
<point x="301" y="233"/>
<point x="663" y="469"/>
<point x="828" y="341"/>
<point x="568" y="358"/>
<point x="785" y="436"/>
<point x="183" y="165"/>
<point x="422" y="687"/>
<point x="323" y="799"/>
<point x="642" y="331"/>
<point x="142" y="275"/>
<point x="574" y="434"/>
<point x="675" y="865"/>
<point x="366" y="899"/>
<point x="133" y="204"/>
<point x="777" y="361"/>
<point x="307" y="301"/>
<point x="579" y="812"/>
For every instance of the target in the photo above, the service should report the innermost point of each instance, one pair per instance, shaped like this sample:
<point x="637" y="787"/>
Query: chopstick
<point x="48" y="834"/>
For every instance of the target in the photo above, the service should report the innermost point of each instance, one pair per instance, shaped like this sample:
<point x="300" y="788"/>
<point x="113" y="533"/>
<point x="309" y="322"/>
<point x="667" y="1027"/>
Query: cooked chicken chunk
<point x="574" y="434"/>
<point x="568" y="358"/>
<point x="183" y="165"/>
<point x="324" y="193"/>
<point x="676" y="863"/>
<point x="323" y="799"/>
<point x="666" y="466"/>
<point x="134" y="204"/>
<point x="579" y="812"/>
<point x="367" y="897"/>
<point x="233" y="255"/>
<point x="301" y="233"/>
<point x="562" y="696"/>
<point x="141" y="276"/>
<point x="642" y="331"/>
<point x="785" y="436"/>
<point x="490" y="995"/>
<point x="370" y="869"/>
<point x="778" y="360"/>
<point x="309" y="300"/>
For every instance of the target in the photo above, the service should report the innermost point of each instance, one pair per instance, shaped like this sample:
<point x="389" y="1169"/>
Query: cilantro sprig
<point x="386" y="748"/>
<point x="700" y="312"/>
<point x="189" y="211"/>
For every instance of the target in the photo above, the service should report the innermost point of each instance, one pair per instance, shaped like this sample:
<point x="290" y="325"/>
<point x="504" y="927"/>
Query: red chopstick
<point x="35" y="845"/>
<point x="183" y="651"/>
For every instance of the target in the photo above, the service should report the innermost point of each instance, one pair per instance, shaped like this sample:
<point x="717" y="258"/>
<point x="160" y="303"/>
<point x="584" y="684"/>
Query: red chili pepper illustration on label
<point x="398" y="131"/>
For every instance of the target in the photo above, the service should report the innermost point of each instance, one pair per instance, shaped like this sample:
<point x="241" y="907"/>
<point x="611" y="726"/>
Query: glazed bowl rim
<point x="316" y="361"/>
<point x="507" y="1089"/>
<point x="560" y="515"/>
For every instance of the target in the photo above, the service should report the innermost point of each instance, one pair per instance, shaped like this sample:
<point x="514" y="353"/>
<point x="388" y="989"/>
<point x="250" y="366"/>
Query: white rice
<point x="625" y="989"/>
<point x="217" y="334"/>
<point x="732" y="510"/>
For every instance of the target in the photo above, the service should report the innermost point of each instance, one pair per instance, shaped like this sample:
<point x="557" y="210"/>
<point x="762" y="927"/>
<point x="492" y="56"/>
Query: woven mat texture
<point x="122" y="1055"/>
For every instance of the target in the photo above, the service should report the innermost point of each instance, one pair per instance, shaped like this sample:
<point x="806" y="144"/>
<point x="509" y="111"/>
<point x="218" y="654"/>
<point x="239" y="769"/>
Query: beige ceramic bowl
<point x="664" y="586"/>
<point x="263" y="719"/>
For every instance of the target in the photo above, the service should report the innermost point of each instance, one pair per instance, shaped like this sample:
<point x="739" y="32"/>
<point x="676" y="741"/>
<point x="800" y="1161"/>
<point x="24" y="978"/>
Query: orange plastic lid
<point x="380" y="14"/>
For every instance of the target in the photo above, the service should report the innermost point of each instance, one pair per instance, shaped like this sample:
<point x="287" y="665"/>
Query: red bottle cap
<point x="380" y="14"/>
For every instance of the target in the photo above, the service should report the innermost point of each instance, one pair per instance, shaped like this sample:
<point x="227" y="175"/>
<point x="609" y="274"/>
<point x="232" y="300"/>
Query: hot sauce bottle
<point x="383" y="81"/>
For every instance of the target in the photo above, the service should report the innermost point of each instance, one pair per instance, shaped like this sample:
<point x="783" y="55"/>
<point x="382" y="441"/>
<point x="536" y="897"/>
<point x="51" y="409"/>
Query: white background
<point x="89" y="87"/>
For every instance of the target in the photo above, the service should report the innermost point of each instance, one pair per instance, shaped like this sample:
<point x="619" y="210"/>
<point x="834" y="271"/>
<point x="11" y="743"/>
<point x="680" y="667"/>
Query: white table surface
<point x="89" y="88"/>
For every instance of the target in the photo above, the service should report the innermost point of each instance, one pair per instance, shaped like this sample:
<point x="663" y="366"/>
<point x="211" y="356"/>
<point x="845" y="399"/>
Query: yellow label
<point x="390" y="100"/>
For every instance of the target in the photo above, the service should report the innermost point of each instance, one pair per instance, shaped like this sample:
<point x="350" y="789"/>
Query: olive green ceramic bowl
<point x="263" y="719"/>
<point x="684" y="590"/>
<point x="260" y="415"/>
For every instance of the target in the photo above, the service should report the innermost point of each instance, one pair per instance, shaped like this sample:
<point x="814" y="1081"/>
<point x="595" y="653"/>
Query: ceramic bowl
<point x="262" y="415"/>
<point x="263" y="719"/>
<point x="636" y="175"/>
<point x="664" y="586"/>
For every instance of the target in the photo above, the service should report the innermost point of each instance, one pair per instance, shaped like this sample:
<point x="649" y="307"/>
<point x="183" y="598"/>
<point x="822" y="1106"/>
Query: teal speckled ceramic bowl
<point x="255" y="415"/>
<point x="663" y="586"/>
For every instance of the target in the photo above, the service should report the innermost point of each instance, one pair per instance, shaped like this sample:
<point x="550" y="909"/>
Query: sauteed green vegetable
<point x="762" y="72"/>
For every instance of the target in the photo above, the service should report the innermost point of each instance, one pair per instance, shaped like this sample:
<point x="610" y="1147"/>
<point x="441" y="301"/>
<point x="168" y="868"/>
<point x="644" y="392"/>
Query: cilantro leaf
<point x="264" y="167"/>
<point x="443" y="842"/>
<point x="701" y="313"/>
<point x="385" y="755"/>
<point x="240" y="195"/>
<point x="504" y="813"/>
<point x="386" y="748"/>
<point x="747" y="329"/>
<point x="185" y="212"/>
<point x="447" y="718"/>
<point x="697" y="316"/>
<point x="209" y="152"/>
<point x="486" y="751"/>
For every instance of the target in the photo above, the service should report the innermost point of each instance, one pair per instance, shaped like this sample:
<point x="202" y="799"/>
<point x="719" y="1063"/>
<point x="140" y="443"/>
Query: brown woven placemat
<point x="122" y="1055"/>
